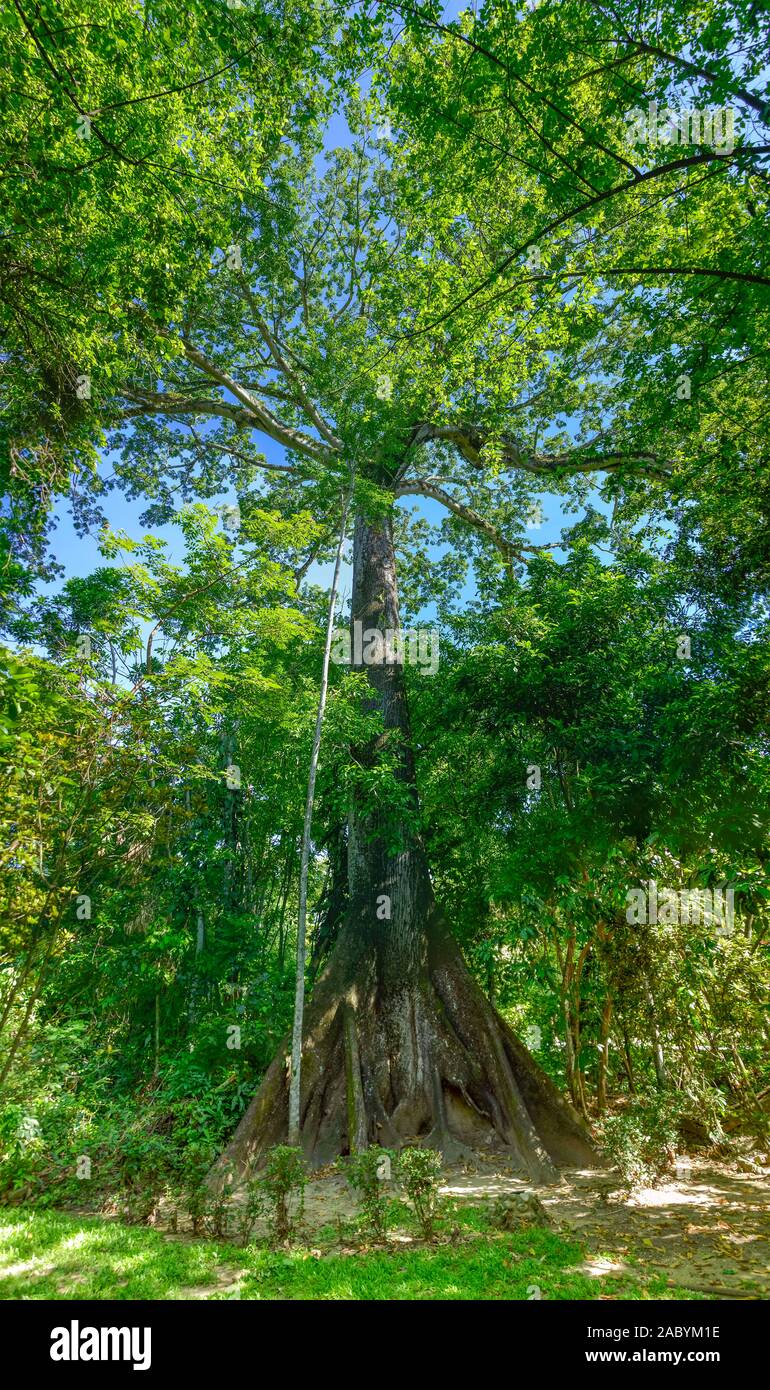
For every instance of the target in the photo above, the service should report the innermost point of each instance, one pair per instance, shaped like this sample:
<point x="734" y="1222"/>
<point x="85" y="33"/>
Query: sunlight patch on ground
<point x="228" y="1285"/>
<point x="10" y="1232"/>
<point x="596" y="1266"/>
<point x="672" y="1197"/>
<point x="483" y="1186"/>
<point x="36" y="1266"/>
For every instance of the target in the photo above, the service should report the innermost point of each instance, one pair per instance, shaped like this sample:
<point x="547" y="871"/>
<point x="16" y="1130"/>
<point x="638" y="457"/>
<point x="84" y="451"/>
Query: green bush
<point x="363" y="1172"/>
<point x="194" y="1192"/>
<point x="85" y="1100"/>
<point x="253" y="1207"/>
<point x="419" y="1172"/>
<point x="642" y="1140"/>
<point x="283" y="1183"/>
<point x="218" y="1207"/>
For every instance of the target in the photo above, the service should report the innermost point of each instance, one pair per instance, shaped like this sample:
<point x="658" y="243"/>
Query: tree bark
<point x="401" y="1045"/>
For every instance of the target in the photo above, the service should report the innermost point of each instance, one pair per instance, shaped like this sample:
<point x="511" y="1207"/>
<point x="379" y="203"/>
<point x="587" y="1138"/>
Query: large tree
<point x="470" y="305"/>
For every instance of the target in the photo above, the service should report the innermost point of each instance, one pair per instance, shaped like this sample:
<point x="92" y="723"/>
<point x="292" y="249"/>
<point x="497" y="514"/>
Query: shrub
<point x="218" y="1207"/>
<point x="139" y="1204"/>
<point x="194" y="1192"/>
<point x="419" y="1171"/>
<point x="283" y="1184"/>
<point x="172" y="1200"/>
<point x="23" y="1158"/>
<point x="364" y="1172"/>
<point x="254" y="1204"/>
<point x="642" y="1140"/>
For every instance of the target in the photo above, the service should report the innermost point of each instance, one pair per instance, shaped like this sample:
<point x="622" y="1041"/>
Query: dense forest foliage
<point x="275" y="271"/>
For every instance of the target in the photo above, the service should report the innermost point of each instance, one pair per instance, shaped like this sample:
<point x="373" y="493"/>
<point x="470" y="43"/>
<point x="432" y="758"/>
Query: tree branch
<point x="428" y="487"/>
<point x="264" y="418"/>
<point x="255" y="414"/>
<point x="166" y="403"/>
<point x="293" y="378"/>
<point x="470" y="443"/>
<point x="686" y="162"/>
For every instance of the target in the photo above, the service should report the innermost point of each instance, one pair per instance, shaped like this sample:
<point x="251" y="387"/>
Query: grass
<point x="56" y="1255"/>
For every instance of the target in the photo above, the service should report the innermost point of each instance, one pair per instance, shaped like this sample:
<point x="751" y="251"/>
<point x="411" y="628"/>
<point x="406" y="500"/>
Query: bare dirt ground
<point x="707" y="1230"/>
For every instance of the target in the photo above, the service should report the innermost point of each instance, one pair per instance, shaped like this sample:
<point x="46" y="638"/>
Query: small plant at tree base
<point x="172" y="1200"/>
<point x="419" y="1172"/>
<point x="283" y="1183"/>
<point x="140" y="1203"/>
<point x="367" y="1173"/>
<point x="218" y="1209"/>
<point x="195" y="1194"/>
<point x="254" y="1204"/>
<point x="196" y="1200"/>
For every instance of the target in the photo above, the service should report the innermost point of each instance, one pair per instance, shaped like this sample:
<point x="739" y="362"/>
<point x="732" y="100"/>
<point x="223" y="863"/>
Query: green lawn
<point x="49" y="1254"/>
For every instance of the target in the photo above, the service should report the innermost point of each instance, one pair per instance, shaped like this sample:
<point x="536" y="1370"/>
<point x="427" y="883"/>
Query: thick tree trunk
<point x="401" y="1046"/>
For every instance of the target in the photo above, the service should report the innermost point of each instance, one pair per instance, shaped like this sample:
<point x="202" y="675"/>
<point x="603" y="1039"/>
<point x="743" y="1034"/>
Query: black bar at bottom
<point x="89" y="1342"/>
